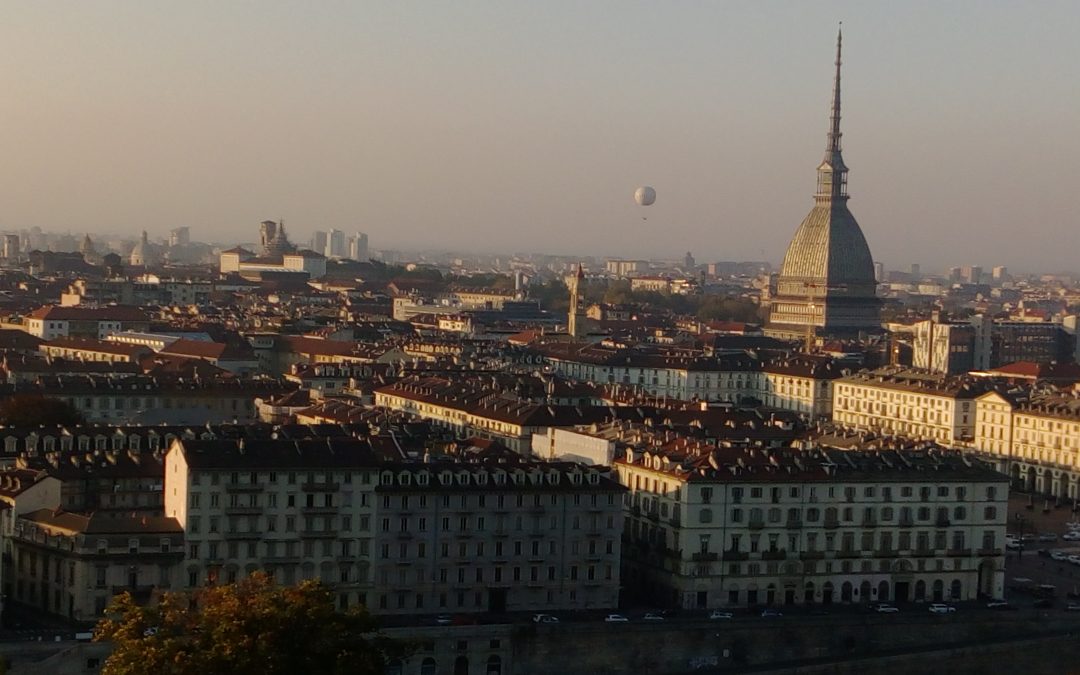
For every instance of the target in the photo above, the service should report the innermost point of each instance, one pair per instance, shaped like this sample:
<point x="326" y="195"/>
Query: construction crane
<point x="810" y="336"/>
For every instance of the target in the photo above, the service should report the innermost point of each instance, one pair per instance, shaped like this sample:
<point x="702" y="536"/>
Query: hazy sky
<point x="527" y="125"/>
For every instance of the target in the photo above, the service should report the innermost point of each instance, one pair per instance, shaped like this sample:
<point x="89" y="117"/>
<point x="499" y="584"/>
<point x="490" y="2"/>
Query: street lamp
<point x="1020" y="523"/>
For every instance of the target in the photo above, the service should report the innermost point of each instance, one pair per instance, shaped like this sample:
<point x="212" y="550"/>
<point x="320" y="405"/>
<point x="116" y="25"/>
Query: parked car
<point x="1013" y="545"/>
<point x="1059" y="556"/>
<point x="1072" y="535"/>
<point x="616" y="618"/>
<point x="940" y="608"/>
<point x="720" y="614"/>
<point x="653" y="616"/>
<point x="1074" y="559"/>
<point x="884" y="608"/>
<point x="545" y="618"/>
<point x="1072" y="607"/>
<point x="1047" y="536"/>
<point x="770" y="613"/>
<point x="999" y="605"/>
<point x="444" y="619"/>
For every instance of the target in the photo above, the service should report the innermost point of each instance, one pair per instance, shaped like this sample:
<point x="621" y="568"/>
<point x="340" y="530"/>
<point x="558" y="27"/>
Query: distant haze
<point x="520" y="126"/>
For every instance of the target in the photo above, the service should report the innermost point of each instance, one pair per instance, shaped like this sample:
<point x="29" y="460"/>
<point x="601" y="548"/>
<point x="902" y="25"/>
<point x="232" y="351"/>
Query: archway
<point x="864" y="591"/>
<point x="428" y="667"/>
<point x="883" y="591"/>
<point x="956" y="590"/>
<point x="808" y="593"/>
<point x="986" y="578"/>
<point x="461" y="666"/>
<point x="827" y="593"/>
<point x="845" y="592"/>
<point x="920" y="590"/>
<point x="939" y="590"/>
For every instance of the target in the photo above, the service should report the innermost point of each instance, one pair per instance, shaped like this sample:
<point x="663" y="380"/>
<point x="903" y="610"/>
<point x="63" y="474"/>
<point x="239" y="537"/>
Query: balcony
<point x="958" y="552"/>
<point x="906" y="522"/>
<point x="886" y="553"/>
<point x="319" y="534"/>
<point x="705" y="557"/>
<point x="942" y="522"/>
<point x="320" y="486"/>
<point x="869" y="522"/>
<point x="849" y="553"/>
<point x="756" y="524"/>
<point x="774" y="555"/>
<point x="991" y="551"/>
<point x="535" y="508"/>
<point x="243" y="487"/>
<point x="793" y="524"/>
<point x="735" y="556"/>
<point x="831" y="523"/>
<point x="319" y="509"/>
<point x="653" y="516"/>
<point x="812" y="555"/>
<point x="242" y="510"/>
<point x="923" y="553"/>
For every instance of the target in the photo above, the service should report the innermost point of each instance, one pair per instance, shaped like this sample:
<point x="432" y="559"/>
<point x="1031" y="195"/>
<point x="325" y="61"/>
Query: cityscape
<point x="326" y="448"/>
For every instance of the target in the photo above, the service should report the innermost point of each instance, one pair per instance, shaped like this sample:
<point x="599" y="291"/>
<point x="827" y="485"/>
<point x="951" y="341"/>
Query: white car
<point x="939" y="608"/>
<point x="721" y="614"/>
<point x="1048" y="536"/>
<point x="652" y="617"/>
<point x="1072" y="536"/>
<point x="544" y="618"/>
<point x="1074" y="559"/>
<point x="1059" y="556"/>
<point x="886" y="609"/>
<point x="616" y="618"/>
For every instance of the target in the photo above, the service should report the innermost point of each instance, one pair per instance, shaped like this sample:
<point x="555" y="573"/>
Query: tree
<point x="34" y="410"/>
<point x="252" y="627"/>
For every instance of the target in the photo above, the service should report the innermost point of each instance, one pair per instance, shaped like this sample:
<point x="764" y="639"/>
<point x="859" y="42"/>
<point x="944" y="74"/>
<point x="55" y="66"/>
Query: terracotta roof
<point x="109" y="313"/>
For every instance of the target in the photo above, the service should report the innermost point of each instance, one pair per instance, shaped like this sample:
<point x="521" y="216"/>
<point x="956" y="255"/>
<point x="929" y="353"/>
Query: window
<point x="705" y="516"/>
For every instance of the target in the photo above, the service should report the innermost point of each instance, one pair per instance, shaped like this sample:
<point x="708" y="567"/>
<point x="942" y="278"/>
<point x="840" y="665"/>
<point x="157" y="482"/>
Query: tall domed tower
<point x="827" y="280"/>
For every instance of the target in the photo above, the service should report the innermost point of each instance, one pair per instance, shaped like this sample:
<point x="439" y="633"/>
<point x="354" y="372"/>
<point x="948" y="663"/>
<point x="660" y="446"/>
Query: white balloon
<point x="645" y="195"/>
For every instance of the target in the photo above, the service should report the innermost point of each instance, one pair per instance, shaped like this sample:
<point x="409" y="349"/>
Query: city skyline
<point x="492" y="128"/>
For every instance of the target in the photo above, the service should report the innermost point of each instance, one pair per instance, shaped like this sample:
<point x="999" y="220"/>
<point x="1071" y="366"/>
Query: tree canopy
<point x="34" y="410"/>
<point x="252" y="627"/>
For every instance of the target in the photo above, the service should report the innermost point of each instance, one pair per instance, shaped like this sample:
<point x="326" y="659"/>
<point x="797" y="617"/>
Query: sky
<point x="526" y="126"/>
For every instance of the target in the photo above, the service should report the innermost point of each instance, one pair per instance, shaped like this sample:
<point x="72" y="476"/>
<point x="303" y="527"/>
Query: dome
<point x="829" y="248"/>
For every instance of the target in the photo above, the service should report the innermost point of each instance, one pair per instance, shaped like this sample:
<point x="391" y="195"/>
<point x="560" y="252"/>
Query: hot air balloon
<point x="645" y="196"/>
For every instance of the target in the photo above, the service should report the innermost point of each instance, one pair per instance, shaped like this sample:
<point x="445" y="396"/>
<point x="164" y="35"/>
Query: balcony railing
<point x="849" y="553"/>
<point x="705" y="557"/>
<point x="812" y="555"/>
<point x="831" y="523"/>
<point x="774" y="555"/>
<point x="923" y="553"/>
<point x="756" y="524"/>
<point x="942" y="522"/>
<point x="793" y="524"/>
<point x="735" y="556"/>
<point x="958" y="552"/>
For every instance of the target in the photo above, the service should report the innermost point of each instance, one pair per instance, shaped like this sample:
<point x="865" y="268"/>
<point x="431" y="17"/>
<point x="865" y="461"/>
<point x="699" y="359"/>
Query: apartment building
<point x="749" y="527"/>
<point x="51" y="322"/>
<point x="298" y="509"/>
<point x="496" y="534"/>
<point x="1032" y="438"/>
<point x="72" y="564"/>
<point x="909" y="403"/>
<point x="801" y="383"/>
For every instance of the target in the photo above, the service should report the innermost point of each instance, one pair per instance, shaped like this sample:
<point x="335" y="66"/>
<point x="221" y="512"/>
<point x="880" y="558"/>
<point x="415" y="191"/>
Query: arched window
<point x="494" y="665"/>
<point x="428" y="667"/>
<point x="461" y="666"/>
<point x="395" y="667"/>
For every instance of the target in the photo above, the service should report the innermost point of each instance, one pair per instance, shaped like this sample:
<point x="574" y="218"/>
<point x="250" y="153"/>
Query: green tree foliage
<point x="33" y="410"/>
<point x="252" y="627"/>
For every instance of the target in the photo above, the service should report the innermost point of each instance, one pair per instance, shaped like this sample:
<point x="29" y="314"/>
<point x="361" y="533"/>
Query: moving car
<point x="1072" y="535"/>
<point x="544" y="618"/>
<point x="1072" y="607"/>
<point x="444" y="619"/>
<point x="770" y="613"/>
<point x="999" y="605"/>
<point x="616" y="618"/>
<point x="720" y="614"/>
<point x="1059" y="556"/>
<point x="940" y="608"/>
<point x="1047" y="536"/>
<point x="1074" y="559"/>
<point x="652" y="616"/>
<point x="884" y="608"/>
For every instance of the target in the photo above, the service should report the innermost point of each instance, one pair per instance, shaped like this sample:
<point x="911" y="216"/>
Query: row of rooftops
<point x="923" y="463"/>
<point x="101" y="384"/>
<point x="905" y="379"/>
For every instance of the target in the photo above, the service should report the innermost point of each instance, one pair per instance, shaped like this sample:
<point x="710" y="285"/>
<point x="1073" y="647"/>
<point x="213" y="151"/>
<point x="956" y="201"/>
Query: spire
<point x="834" y="129"/>
<point x="832" y="172"/>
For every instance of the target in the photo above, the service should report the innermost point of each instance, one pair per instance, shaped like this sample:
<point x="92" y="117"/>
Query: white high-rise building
<point x="335" y="245"/>
<point x="358" y="246"/>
